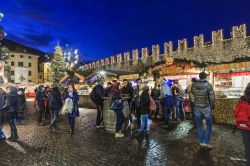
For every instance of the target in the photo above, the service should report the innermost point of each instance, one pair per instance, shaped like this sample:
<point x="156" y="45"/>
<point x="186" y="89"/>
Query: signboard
<point x="129" y="77"/>
<point x="21" y="75"/>
<point x="241" y="65"/>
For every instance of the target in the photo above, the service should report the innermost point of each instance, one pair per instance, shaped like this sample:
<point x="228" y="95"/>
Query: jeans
<point x="203" y="134"/>
<point x="72" y="123"/>
<point x="54" y="115"/>
<point x="119" y="120"/>
<point x="145" y="122"/>
<point x="41" y="114"/>
<point x="246" y="141"/>
<point x="99" y="117"/>
<point x="165" y="110"/>
<point x="179" y="111"/>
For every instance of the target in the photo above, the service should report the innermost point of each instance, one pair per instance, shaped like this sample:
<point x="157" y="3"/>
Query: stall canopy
<point x="72" y="76"/>
<point x="105" y="74"/>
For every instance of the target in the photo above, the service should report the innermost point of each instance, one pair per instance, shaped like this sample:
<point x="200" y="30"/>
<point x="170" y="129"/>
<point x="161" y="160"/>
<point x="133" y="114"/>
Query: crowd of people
<point x="167" y="96"/>
<point x="143" y="104"/>
<point x="50" y="100"/>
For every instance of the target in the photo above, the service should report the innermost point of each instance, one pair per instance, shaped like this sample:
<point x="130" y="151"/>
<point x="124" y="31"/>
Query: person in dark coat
<point x="11" y="108"/>
<point x="40" y="104"/>
<point x="2" y="113"/>
<point x="22" y="103"/>
<point x="144" y="109"/>
<point x="107" y="90"/>
<point x="55" y="102"/>
<point x="116" y="93"/>
<point x="73" y="95"/>
<point x="99" y="94"/>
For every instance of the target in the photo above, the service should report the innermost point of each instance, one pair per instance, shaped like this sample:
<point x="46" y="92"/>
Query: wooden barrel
<point x="109" y="116"/>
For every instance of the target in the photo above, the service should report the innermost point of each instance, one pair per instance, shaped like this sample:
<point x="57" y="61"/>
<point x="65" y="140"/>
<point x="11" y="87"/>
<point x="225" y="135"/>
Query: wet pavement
<point x="93" y="147"/>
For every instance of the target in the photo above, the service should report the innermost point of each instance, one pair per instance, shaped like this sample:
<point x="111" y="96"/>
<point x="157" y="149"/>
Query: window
<point x="12" y="63"/>
<point x="29" y="73"/>
<point x="20" y="64"/>
<point x="12" y="72"/>
<point x="41" y="76"/>
<point x="12" y="56"/>
<point x="29" y="57"/>
<point x="21" y="56"/>
<point x="29" y="64"/>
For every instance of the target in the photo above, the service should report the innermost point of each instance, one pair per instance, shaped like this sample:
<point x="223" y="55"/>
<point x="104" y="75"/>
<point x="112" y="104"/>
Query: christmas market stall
<point x="91" y="80"/>
<point x="230" y="81"/>
<point x="177" y="70"/>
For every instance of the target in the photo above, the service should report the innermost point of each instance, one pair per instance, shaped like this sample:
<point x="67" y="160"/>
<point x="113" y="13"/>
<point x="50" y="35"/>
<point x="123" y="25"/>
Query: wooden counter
<point x="224" y="110"/>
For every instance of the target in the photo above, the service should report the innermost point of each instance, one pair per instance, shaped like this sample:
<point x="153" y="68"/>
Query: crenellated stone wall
<point x="219" y="50"/>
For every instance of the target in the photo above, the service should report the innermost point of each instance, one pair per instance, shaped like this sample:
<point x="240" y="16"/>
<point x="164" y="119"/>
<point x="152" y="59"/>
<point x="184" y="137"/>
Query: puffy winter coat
<point x="144" y="102"/>
<point x="55" y="100"/>
<point x="203" y="94"/>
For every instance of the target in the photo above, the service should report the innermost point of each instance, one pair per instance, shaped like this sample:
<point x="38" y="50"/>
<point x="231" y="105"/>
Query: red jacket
<point x="242" y="115"/>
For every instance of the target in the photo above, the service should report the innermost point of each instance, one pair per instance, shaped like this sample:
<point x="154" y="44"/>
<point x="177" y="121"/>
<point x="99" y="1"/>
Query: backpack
<point x="93" y="97"/>
<point x="242" y="115"/>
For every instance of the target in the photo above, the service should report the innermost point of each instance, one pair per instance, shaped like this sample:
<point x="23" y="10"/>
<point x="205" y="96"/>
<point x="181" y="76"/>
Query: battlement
<point x="219" y="50"/>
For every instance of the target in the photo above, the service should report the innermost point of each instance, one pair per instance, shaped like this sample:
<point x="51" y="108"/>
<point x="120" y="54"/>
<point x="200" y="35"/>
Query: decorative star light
<point x="71" y="57"/>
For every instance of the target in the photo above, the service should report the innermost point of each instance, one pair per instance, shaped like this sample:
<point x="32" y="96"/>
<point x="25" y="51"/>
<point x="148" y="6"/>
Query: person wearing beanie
<point x="97" y="97"/>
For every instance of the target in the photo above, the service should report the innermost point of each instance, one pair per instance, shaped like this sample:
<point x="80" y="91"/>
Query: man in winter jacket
<point x="204" y="101"/>
<point x="98" y="92"/>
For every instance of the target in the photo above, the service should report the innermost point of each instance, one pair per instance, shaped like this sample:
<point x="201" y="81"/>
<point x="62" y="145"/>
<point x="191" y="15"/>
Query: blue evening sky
<point x="101" y="28"/>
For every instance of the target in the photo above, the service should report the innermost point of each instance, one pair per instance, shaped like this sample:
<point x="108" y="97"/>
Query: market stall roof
<point x="110" y="72"/>
<point x="75" y="74"/>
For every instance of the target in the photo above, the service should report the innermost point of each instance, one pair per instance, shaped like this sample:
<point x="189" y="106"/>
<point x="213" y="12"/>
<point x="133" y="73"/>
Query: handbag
<point x="116" y="103"/>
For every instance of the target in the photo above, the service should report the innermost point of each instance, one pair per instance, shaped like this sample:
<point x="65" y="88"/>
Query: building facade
<point x="45" y="72"/>
<point x="23" y="67"/>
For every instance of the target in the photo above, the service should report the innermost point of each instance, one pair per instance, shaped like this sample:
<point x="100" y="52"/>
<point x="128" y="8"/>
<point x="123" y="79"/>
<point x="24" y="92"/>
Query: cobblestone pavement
<point x="93" y="147"/>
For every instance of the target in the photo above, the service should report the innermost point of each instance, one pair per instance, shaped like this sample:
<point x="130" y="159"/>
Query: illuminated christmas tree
<point x="58" y="66"/>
